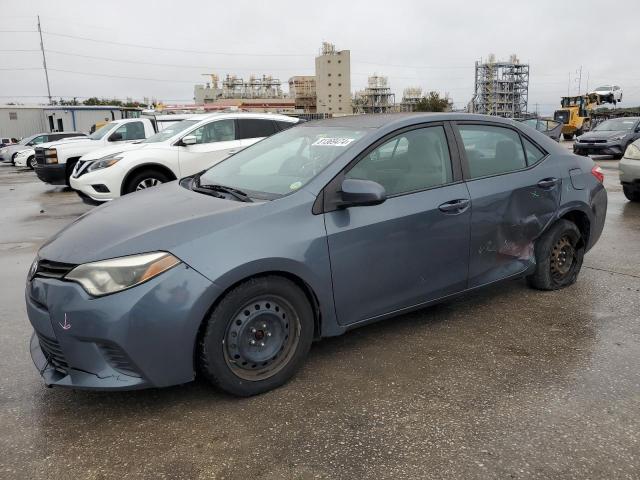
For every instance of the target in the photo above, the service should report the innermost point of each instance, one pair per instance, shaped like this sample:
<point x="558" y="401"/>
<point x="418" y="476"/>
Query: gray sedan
<point x="233" y="272"/>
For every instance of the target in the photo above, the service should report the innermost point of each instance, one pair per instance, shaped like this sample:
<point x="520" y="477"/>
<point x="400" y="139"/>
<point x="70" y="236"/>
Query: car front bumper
<point x="84" y="186"/>
<point x="54" y="174"/>
<point x="138" y="338"/>
<point x="609" y="148"/>
<point x="21" y="161"/>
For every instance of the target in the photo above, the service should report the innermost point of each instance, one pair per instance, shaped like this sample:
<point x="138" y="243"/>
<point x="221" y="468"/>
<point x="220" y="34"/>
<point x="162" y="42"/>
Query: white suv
<point x="180" y="150"/>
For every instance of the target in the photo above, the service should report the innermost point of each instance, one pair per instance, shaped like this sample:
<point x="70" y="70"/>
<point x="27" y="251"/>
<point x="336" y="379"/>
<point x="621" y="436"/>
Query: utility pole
<point x="44" y="61"/>
<point x="579" y="72"/>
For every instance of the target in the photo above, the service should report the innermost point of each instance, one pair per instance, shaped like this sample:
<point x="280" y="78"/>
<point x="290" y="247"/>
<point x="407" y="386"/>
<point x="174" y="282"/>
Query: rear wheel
<point x="257" y="336"/>
<point x="567" y="136"/>
<point x="145" y="179"/>
<point x="559" y="255"/>
<point x="631" y="194"/>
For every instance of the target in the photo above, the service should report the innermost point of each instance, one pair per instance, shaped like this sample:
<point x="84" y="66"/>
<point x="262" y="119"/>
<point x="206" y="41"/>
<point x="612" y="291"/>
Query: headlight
<point x="50" y="156"/>
<point x="3" y="150"/>
<point x="632" y="152"/>
<point x="105" y="162"/>
<point x="110" y="276"/>
<point x="617" y="137"/>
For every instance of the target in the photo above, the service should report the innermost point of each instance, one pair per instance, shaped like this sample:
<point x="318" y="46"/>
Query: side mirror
<point x="189" y="140"/>
<point x="115" y="137"/>
<point x="361" y="193"/>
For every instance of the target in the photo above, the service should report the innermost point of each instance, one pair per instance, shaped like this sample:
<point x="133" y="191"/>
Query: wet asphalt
<point x="507" y="382"/>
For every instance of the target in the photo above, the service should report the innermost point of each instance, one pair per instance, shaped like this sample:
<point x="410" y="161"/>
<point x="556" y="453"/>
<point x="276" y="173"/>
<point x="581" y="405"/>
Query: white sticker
<point x="333" y="142"/>
<point x="295" y="185"/>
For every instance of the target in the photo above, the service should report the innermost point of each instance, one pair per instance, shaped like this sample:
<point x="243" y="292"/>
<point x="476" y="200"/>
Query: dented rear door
<point x="509" y="209"/>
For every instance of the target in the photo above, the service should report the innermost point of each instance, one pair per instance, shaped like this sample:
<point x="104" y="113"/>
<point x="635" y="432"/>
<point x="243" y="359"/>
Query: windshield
<point x="26" y="140"/>
<point x="282" y="163"/>
<point x="170" y="131"/>
<point x="102" y="131"/>
<point x="603" y="89"/>
<point x="616" y="124"/>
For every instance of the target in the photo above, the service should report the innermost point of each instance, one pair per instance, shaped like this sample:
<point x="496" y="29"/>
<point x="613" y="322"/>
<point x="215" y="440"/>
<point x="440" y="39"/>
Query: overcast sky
<point x="432" y="45"/>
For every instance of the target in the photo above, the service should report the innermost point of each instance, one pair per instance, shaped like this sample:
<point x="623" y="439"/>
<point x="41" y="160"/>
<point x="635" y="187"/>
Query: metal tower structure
<point x="501" y="88"/>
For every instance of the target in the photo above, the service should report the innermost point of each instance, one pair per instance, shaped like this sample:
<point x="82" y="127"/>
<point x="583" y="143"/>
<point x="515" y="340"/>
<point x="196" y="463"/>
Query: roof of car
<point x="271" y="116"/>
<point x="384" y="119"/>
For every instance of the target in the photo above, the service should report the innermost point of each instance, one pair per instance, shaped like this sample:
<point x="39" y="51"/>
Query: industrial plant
<point x="501" y="87"/>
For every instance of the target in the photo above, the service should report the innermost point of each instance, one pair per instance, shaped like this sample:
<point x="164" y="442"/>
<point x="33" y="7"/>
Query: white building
<point x="333" y="81"/>
<point x="20" y="121"/>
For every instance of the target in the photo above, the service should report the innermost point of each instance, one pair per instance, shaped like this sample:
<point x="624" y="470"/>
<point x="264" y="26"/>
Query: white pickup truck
<point x="55" y="160"/>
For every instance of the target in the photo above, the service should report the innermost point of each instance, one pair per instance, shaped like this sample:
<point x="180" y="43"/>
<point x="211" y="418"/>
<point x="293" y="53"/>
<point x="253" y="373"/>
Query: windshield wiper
<point x="239" y="194"/>
<point x="211" y="188"/>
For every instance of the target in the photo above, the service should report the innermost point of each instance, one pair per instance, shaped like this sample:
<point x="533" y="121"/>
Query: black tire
<point x="13" y="158"/>
<point x="245" y="368"/>
<point x="567" y="136"/>
<point x="151" y="177"/>
<point x="631" y="194"/>
<point x="559" y="255"/>
<point x="31" y="162"/>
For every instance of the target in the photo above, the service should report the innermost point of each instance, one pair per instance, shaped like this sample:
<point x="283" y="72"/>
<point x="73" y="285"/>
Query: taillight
<point x="597" y="172"/>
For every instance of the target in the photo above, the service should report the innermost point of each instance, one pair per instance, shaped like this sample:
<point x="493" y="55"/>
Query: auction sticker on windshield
<point x="333" y="142"/>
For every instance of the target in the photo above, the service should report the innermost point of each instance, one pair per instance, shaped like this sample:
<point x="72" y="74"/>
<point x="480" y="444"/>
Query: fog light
<point x="100" y="188"/>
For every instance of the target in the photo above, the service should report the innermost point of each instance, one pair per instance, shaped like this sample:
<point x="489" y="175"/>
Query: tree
<point x="434" y="103"/>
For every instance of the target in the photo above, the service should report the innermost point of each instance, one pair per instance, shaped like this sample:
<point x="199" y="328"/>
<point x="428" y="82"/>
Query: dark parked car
<point x="316" y="230"/>
<point x="611" y="137"/>
<point x="548" y="126"/>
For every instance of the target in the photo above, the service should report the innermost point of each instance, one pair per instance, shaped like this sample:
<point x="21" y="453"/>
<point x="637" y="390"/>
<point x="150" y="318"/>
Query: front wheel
<point x="559" y="255"/>
<point x="145" y="179"/>
<point x="31" y="162"/>
<point x="257" y="337"/>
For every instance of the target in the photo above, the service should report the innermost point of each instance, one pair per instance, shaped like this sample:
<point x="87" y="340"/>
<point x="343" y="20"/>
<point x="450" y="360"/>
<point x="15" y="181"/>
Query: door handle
<point x="455" y="206"/>
<point x="548" y="182"/>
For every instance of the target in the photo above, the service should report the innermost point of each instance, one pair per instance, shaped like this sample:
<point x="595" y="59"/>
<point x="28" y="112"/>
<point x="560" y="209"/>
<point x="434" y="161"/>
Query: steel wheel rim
<point x="562" y="258"/>
<point x="261" y="338"/>
<point x="148" y="183"/>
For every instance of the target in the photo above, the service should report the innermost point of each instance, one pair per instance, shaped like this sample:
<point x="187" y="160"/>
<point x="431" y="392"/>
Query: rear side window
<point x="491" y="150"/>
<point x="218" y="131"/>
<point x="534" y="154"/>
<point x="255" y="128"/>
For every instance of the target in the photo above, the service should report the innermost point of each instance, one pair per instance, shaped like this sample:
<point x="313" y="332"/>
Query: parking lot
<point x="507" y="382"/>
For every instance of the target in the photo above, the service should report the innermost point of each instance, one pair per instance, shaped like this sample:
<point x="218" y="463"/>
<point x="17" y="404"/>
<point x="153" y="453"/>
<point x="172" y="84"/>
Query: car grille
<point x="40" y="155"/>
<point x="118" y="360"/>
<point x="81" y="168"/>
<point x="49" y="269"/>
<point x="53" y="353"/>
<point x="593" y="141"/>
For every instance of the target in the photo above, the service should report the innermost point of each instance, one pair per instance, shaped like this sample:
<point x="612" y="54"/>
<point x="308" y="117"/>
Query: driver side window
<point x="412" y="161"/>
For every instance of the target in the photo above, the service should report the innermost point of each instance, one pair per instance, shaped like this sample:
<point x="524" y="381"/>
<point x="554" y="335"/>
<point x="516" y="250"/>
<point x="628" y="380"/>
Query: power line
<point x="121" y="76"/>
<point x="94" y="57"/>
<point x="19" y="50"/>
<point x="18" y="31"/>
<point x="199" y="52"/>
<point x="20" y="68"/>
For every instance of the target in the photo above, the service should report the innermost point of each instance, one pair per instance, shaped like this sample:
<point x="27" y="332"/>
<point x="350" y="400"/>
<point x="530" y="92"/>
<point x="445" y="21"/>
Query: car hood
<point x="603" y="135"/>
<point x="67" y="141"/>
<point x="111" y="149"/>
<point x="160" y="218"/>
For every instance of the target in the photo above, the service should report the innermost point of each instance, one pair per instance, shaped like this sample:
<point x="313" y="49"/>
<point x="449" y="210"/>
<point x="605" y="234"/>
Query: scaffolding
<point x="501" y="88"/>
<point x="376" y="98"/>
<point x="410" y="98"/>
<point x="302" y="89"/>
<point x="256" y="87"/>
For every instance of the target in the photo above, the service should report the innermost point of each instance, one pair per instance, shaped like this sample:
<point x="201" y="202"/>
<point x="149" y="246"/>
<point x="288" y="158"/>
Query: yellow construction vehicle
<point x="575" y="114"/>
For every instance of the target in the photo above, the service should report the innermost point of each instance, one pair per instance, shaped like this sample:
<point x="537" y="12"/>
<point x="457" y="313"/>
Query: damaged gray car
<point x="231" y="274"/>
